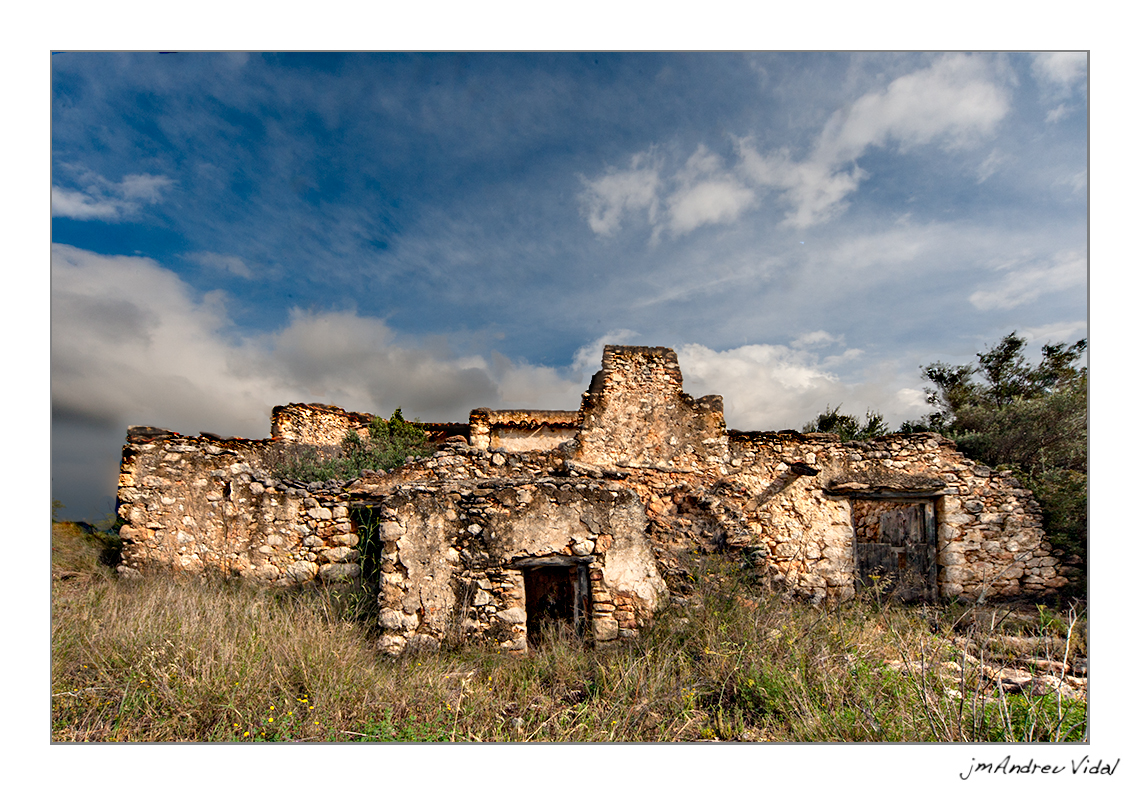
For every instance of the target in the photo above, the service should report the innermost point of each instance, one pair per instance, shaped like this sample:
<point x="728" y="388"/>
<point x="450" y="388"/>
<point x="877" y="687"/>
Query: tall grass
<point x="178" y="659"/>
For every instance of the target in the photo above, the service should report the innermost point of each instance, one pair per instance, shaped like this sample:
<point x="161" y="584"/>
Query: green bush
<point x="1031" y="419"/>
<point x="389" y="443"/>
<point x="848" y="426"/>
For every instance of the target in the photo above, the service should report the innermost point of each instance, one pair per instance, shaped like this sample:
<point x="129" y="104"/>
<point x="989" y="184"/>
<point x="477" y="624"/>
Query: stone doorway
<point x="895" y="547"/>
<point x="557" y="598"/>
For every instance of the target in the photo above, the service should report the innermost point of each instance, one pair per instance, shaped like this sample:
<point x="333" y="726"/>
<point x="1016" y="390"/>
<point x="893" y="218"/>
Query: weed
<point x="386" y="445"/>
<point x="172" y="658"/>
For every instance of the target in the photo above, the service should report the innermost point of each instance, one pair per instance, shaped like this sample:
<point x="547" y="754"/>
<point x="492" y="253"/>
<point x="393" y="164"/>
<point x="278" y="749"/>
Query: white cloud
<point x="815" y="189"/>
<point x="227" y="263"/>
<point x="891" y="251"/>
<point x="527" y="386"/>
<point x="133" y="344"/>
<point x="1078" y="182"/>
<point x="146" y="188"/>
<point x="912" y="399"/>
<point x="849" y="355"/>
<point x="1061" y="70"/>
<point x="1058" y="73"/>
<point x="1058" y="113"/>
<point x="990" y="165"/>
<point x="703" y="193"/>
<point x="708" y="202"/>
<point x="707" y="194"/>
<point x="772" y="387"/>
<point x="359" y="363"/>
<point x="73" y="204"/>
<point x="1028" y="282"/>
<point x="104" y="200"/>
<point x="1036" y="336"/>
<point x="764" y="386"/>
<point x="814" y="339"/>
<point x="610" y="197"/>
<point x="955" y="102"/>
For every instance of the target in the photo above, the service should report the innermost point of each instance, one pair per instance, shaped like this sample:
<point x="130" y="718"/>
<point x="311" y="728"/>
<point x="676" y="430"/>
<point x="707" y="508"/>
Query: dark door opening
<point x="557" y="602"/>
<point x="895" y="548"/>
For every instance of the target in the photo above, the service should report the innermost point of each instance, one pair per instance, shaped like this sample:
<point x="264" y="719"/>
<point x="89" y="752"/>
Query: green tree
<point x="848" y="426"/>
<point x="1033" y="419"/>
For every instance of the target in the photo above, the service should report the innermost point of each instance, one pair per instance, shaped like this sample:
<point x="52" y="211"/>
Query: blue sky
<point x="440" y="232"/>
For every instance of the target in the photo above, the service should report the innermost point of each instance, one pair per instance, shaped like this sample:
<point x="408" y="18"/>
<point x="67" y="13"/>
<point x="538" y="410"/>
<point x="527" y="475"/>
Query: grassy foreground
<point x="170" y="659"/>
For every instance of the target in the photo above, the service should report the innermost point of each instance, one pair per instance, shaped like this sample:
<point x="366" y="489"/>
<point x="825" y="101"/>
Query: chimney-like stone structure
<point x="635" y="414"/>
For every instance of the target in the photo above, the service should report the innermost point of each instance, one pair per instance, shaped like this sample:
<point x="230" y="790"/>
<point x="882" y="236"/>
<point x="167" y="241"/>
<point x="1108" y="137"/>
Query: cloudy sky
<point x="441" y="232"/>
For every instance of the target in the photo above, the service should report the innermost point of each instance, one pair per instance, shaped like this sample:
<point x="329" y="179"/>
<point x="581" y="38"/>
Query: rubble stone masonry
<point x="192" y="504"/>
<point x="623" y="488"/>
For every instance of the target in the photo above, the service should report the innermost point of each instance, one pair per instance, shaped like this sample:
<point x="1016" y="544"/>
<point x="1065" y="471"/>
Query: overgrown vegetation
<point x="169" y="658"/>
<point x="76" y="548"/>
<point x="847" y="426"/>
<point x="387" y="445"/>
<point x="1033" y="420"/>
<point x="1010" y="414"/>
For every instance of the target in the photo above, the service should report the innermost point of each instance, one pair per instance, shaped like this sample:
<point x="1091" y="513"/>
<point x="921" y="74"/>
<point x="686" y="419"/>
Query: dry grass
<point x="169" y="659"/>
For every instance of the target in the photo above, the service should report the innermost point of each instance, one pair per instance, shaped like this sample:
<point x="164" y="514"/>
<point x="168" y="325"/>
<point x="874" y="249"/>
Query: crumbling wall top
<point x="635" y="415"/>
<point x="638" y="367"/>
<point x="325" y="426"/>
<point x="316" y="423"/>
<point x="527" y="418"/>
<point x="501" y="428"/>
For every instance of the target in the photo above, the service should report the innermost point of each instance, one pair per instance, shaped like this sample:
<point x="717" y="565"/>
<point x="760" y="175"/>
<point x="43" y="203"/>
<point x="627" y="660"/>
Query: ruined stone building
<point x="583" y="517"/>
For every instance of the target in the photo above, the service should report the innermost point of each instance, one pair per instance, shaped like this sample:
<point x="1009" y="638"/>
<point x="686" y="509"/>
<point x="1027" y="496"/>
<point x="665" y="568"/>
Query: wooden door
<point x="557" y="600"/>
<point x="895" y="547"/>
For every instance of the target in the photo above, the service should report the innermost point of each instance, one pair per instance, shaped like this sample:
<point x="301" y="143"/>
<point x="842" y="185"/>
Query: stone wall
<point x="194" y="504"/>
<point x="522" y="430"/>
<point x="649" y="476"/>
<point x="453" y="554"/>
<point x="635" y="415"/>
<point x="325" y="426"/>
<point x="766" y="501"/>
<point x="316" y="424"/>
<point x="989" y="544"/>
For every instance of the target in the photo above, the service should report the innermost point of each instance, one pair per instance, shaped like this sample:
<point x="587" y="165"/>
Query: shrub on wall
<point x="389" y="444"/>
<point x="848" y="426"/>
